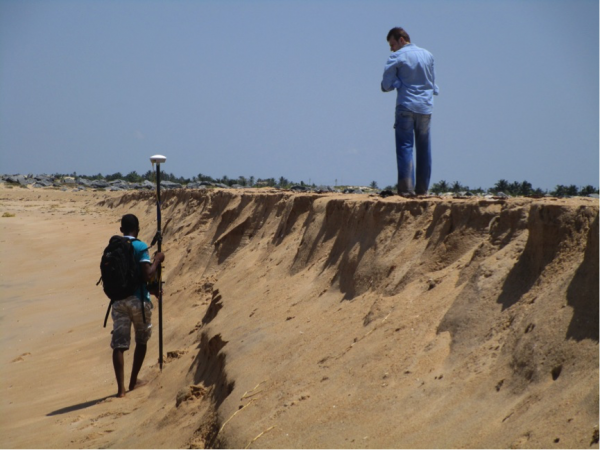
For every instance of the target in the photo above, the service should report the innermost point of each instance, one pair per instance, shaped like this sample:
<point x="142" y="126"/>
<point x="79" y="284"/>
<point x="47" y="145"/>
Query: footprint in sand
<point x="22" y="357"/>
<point x="175" y="354"/>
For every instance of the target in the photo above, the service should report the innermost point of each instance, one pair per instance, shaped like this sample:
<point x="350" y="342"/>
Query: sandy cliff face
<point x="297" y="320"/>
<point x="301" y="321"/>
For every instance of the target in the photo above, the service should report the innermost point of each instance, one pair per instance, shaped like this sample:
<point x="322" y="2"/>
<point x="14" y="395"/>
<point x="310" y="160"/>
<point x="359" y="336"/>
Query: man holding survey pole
<point x="135" y="309"/>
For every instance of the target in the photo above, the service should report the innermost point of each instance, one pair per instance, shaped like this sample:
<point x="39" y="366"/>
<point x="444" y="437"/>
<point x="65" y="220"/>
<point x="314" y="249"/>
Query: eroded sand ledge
<point x="305" y="320"/>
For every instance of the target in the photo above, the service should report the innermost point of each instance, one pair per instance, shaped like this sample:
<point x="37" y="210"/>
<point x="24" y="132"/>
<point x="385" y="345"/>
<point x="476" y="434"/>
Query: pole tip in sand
<point x="158" y="159"/>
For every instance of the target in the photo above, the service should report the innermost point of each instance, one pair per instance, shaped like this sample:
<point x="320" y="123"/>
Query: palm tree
<point x="440" y="187"/>
<point x="501" y="186"/>
<point x="526" y="188"/>
<point x="587" y="190"/>
<point x="559" y="191"/>
<point x="573" y="190"/>
<point x="457" y="187"/>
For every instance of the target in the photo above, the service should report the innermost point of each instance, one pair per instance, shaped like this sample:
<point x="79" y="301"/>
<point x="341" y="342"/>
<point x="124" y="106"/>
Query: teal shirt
<point x="140" y="249"/>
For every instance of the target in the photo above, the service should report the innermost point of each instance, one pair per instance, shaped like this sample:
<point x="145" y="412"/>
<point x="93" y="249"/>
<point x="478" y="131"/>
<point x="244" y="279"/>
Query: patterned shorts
<point x="124" y="313"/>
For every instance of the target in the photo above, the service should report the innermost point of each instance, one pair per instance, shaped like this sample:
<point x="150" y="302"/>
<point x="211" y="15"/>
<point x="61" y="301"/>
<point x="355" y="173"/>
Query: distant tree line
<point x="515" y="188"/>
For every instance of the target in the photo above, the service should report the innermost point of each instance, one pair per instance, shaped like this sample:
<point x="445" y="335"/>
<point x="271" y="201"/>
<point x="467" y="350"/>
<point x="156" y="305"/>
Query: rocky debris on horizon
<point x="79" y="183"/>
<point x="297" y="188"/>
<point x="25" y="180"/>
<point x="353" y="191"/>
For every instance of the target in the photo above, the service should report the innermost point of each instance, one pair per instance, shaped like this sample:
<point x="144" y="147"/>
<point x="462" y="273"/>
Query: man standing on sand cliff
<point x="410" y="71"/>
<point x="129" y="310"/>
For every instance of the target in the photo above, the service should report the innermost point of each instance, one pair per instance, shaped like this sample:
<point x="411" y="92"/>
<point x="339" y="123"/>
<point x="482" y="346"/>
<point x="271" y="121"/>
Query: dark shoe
<point x="409" y="194"/>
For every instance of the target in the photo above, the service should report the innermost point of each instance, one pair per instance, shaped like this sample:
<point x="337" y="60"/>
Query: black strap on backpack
<point x="108" y="311"/>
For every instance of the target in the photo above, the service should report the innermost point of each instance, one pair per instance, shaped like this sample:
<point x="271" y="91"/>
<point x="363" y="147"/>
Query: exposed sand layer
<point x="305" y="320"/>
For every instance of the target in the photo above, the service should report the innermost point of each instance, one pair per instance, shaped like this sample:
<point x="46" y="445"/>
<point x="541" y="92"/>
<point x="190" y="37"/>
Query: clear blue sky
<point x="292" y="88"/>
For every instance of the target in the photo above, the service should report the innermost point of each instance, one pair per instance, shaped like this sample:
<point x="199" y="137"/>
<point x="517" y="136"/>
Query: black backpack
<point x="120" y="272"/>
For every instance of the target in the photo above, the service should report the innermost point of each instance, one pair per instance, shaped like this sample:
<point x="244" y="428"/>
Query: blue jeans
<point x="412" y="128"/>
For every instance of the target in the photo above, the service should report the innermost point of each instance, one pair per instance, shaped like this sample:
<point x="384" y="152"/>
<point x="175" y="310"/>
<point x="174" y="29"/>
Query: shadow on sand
<point x="77" y="407"/>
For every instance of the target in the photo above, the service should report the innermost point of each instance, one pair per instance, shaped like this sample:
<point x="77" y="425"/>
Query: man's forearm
<point x="151" y="269"/>
<point x="154" y="268"/>
<point x="390" y="81"/>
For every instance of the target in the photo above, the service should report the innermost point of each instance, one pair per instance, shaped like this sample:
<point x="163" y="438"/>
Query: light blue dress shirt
<point x="410" y="71"/>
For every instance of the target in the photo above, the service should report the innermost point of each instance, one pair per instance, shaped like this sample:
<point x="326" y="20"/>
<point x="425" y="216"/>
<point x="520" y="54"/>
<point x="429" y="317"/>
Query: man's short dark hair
<point x="397" y="33"/>
<point x="129" y="223"/>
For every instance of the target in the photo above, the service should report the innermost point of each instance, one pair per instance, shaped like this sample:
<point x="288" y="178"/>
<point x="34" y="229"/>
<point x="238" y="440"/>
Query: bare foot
<point x="120" y="394"/>
<point x="138" y="384"/>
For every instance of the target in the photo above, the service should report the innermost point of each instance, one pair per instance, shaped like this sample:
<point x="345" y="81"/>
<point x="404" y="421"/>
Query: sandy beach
<point x="307" y="321"/>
